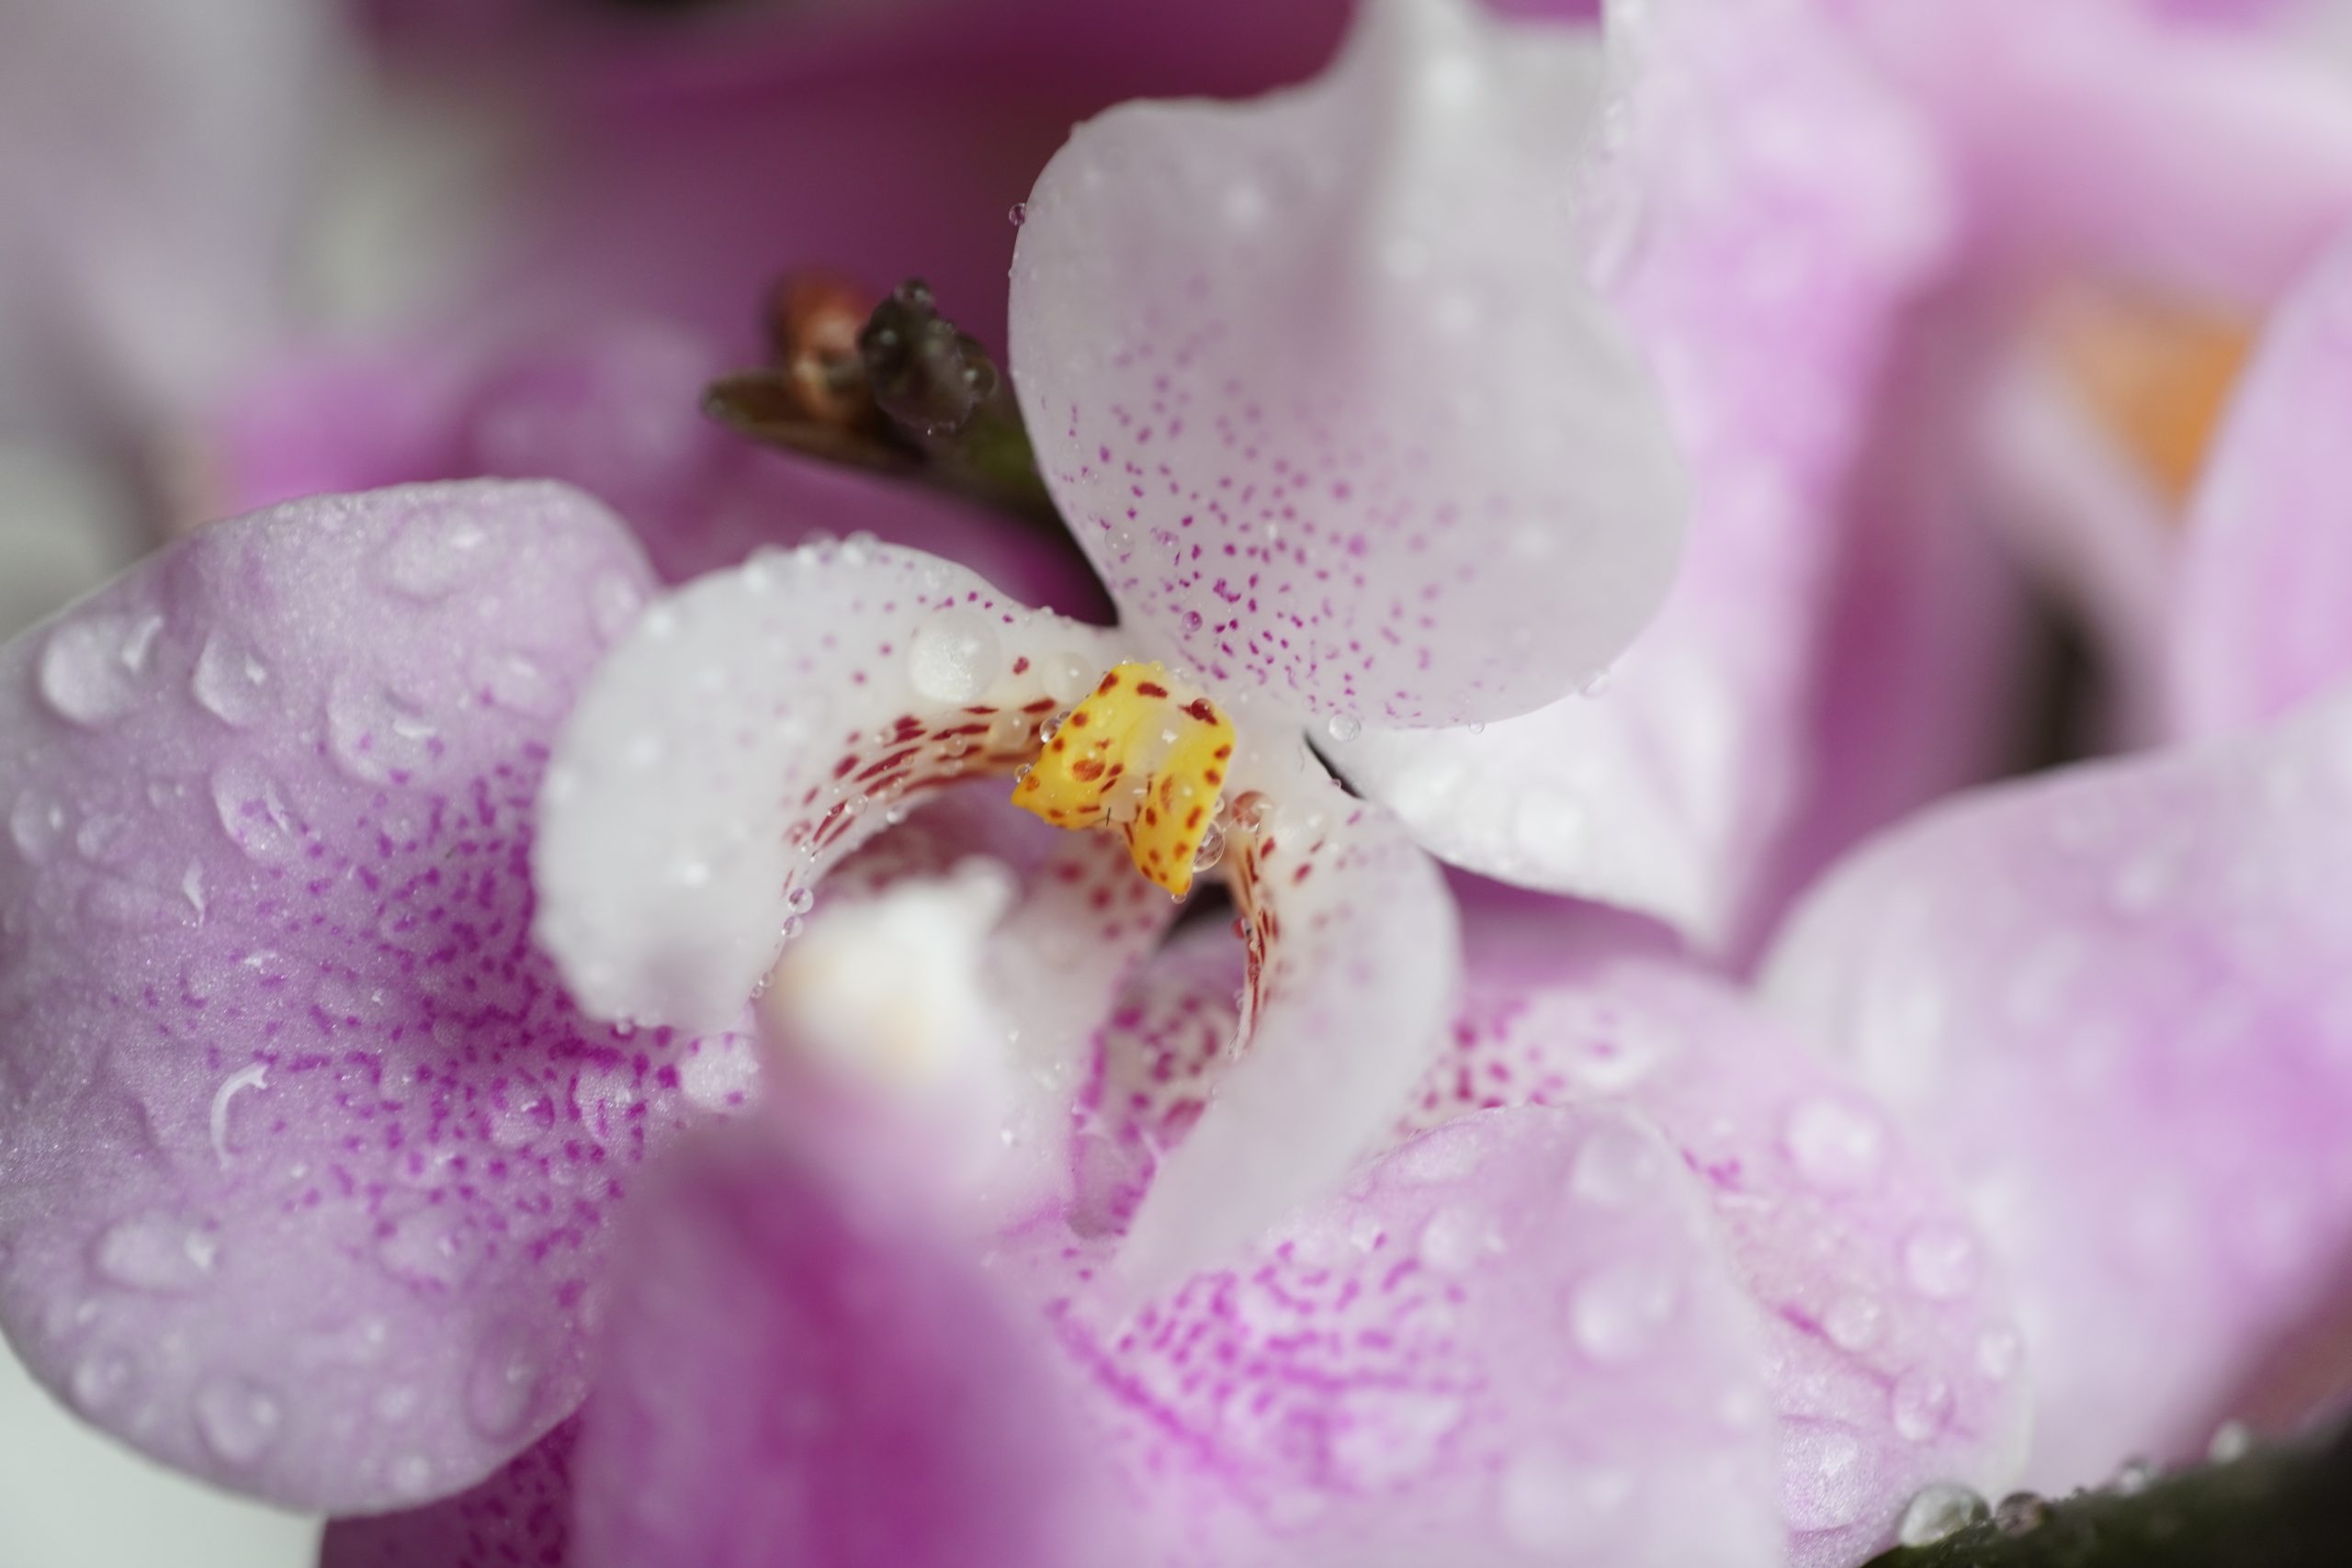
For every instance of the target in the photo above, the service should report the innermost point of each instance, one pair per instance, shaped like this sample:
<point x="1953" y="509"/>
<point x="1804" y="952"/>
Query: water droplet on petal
<point x="1942" y="1509"/>
<point x="954" y="656"/>
<point x="38" y="824"/>
<point x="88" y="672"/>
<point x="2132" y="1477"/>
<point x="1852" y="1322"/>
<point x="1920" y="1403"/>
<point x="238" y="1418"/>
<point x="253" y="812"/>
<point x="1455" y="1240"/>
<point x="1939" y="1261"/>
<point x="1826" y="1483"/>
<point x="1019" y="214"/>
<point x="231" y="684"/>
<point x="432" y="554"/>
<point x="1616" y="1315"/>
<point x="1836" y="1146"/>
<point x="1998" y="1350"/>
<point x="2232" y="1440"/>
<point x="428" y="1247"/>
<point x="1343" y="727"/>
<point x="154" y="1252"/>
<point x="503" y="1387"/>
<point x="100" y="1380"/>
<point x="1615" y="1166"/>
<point x="374" y="735"/>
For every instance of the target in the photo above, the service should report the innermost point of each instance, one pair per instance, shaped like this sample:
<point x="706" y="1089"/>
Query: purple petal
<point x="1674" y="788"/>
<point x="2212" y="160"/>
<point x="2263" y="624"/>
<point x="1480" y="1354"/>
<point x="755" y="726"/>
<point x="803" y="1371"/>
<point x="2112" y="1002"/>
<point x="520" y="1518"/>
<point x="307" y="1156"/>
<point x="1892" y="1356"/>
<point x="1318" y="386"/>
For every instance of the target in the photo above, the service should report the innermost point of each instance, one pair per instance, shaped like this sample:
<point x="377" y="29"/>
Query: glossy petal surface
<point x="1472" y="1356"/>
<point x="1892" y="1361"/>
<point x="1353" y="966"/>
<point x="805" y="1371"/>
<point x="2264" y="620"/>
<point x="1771" y="213"/>
<point x="2113" y="1004"/>
<point x="1318" y="385"/>
<point x="520" y="1518"/>
<point x="307" y="1159"/>
<point x="755" y="726"/>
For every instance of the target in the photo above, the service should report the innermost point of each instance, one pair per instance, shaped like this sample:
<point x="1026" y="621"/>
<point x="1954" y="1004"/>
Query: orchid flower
<point x="1634" y="1282"/>
<point x="276" y="1006"/>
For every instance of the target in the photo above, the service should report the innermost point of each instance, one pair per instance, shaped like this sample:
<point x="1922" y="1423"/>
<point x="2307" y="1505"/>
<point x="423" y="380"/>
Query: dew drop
<point x="432" y="554"/>
<point x="428" y="1247"/>
<point x="517" y="683"/>
<point x="2232" y="1440"/>
<point x="154" y="1252"/>
<point x="256" y="1075"/>
<point x="1998" y="1350"/>
<point x="1837" y="1147"/>
<point x="1852" y="1322"/>
<point x="1453" y="1239"/>
<point x="37" y="825"/>
<point x="88" y="673"/>
<point x="100" y="1380"/>
<point x="374" y="735"/>
<point x="2132" y="1477"/>
<point x="1019" y="214"/>
<point x="1210" y="850"/>
<point x="1615" y="1167"/>
<point x="1068" y="678"/>
<point x="1920" y="1403"/>
<point x="253" y="810"/>
<point x="1551" y="1504"/>
<point x="412" y="1475"/>
<point x="1616" y="1315"/>
<point x="1825" y="1482"/>
<point x="502" y="1386"/>
<point x="954" y="656"/>
<point x="1939" y="1261"/>
<point x="1343" y="727"/>
<point x="239" y="1419"/>
<point x="231" y="684"/>
<point x="614" y="602"/>
<point x="1945" y="1508"/>
<point x="801" y="900"/>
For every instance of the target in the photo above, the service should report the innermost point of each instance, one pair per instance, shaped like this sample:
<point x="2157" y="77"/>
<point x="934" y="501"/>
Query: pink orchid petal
<point x="1892" y="1359"/>
<point x="2215" y="160"/>
<point x="1782" y="213"/>
<point x="1478" y="1354"/>
<point x="520" y="1518"/>
<point x="153" y="159"/>
<point x="2112" y="1002"/>
<point x="1354" y="966"/>
<point x="1318" y="385"/>
<point x="755" y="726"/>
<point x="802" y="1370"/>
<point x="2263" y="624"/>
<point x="307" y="1159"/>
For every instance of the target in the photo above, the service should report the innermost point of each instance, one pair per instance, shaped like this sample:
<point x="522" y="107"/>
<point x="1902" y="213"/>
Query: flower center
<point x="2154" y="371"/>
<point x="1144" y="755"/>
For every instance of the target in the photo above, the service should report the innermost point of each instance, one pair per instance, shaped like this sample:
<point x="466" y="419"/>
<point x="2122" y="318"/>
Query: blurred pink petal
<point x="308" y="1157"/>
<point x="2262" y="621"/>
<point x="2112" y="1002"/>
<point x="799" y="1369"/>
<point x="520" y="1518"/>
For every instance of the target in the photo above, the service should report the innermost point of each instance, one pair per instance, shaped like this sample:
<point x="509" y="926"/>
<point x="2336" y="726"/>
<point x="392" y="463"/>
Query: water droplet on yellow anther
<point x="1143" y="754"/>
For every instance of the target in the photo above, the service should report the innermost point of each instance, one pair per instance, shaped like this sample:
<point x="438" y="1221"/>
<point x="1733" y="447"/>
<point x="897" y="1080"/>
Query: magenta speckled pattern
<point x="1892" y="1360"/>
<point x="802" y="1370"/>
<point x="1513" y="1341"/>
<point x="1319" y="387"/>
<point x="305" y="1158"/>
<point x="520" y="1518"/>
<point x="2114" y="1003"/>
